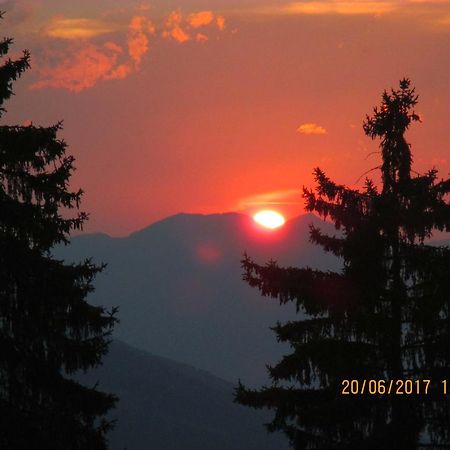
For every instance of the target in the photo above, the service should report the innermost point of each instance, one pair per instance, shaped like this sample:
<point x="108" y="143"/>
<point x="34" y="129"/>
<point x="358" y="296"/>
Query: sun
<point x="269" y="219"/>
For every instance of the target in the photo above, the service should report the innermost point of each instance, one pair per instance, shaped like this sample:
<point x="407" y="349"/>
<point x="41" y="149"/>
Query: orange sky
<point x="211" y="106"/>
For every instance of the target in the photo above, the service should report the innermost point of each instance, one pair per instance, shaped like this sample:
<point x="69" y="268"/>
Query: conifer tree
<point x="48" y="331"/>
<point x="385" y="316"/>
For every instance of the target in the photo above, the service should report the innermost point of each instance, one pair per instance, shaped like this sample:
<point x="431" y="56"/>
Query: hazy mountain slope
<point x="165" y="405"/>
<point x="179" y="287"/>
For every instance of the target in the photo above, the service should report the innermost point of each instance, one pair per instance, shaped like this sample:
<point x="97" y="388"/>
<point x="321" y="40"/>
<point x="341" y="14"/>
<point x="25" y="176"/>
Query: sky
<point x="210" y="106"/>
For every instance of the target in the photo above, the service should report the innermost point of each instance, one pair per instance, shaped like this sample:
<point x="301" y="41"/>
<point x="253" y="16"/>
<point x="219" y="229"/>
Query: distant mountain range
<point x="178" y="284"/>
<point x="165" y="405"/>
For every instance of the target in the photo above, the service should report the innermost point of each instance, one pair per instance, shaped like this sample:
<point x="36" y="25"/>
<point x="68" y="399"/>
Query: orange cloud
<point x="138" y="42"/>
<point x="119" y="73"/>
<point x="81" y="70"/>
<point x="174" y="29"/>
<point x="311" y="128"/>
<point x="281" y="197"/>
<point x="200" y="19"/>
<point x="431" y="2"/>
<point x="80" y="28"/>
<point x="177" y="27"/>
<point x="328" y="7"/>
<point x="220" y="21"/>
<point x="88" y="64"/>
<point x="82" y="64"/>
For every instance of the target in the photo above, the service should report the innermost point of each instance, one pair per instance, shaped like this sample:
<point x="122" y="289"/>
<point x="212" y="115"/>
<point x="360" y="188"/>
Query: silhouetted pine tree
<point x="385" y="316"/>
<point x="47" y="329"/>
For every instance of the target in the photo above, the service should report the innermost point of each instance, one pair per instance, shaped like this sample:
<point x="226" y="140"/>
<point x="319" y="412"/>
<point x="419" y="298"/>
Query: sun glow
<point x="269" y="219"/>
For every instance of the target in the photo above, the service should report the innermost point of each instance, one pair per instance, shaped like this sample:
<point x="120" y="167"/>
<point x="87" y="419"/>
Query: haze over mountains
<point x="166" y="405"/>
<point x="178" y="284"/>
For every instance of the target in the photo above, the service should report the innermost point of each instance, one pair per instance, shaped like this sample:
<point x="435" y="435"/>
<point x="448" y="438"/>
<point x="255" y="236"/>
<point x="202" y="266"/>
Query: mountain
<point x="179" y="288"/>
<point x="178" y="284"/>
<point x="165" y="405"/>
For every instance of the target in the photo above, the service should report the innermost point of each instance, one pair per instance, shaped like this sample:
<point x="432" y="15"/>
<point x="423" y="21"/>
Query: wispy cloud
<point x="328" y="7"/>
<point x="428" y="12"/>
<point x="279" y="197"/>
<point x="339" y="7"/>
<point x="311" y="128"/>
<point x="61" y="27"/>
<point x="431" y="2"/>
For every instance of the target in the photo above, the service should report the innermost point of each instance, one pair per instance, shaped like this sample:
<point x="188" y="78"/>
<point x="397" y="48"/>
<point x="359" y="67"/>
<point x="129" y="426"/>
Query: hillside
<point x="165" y="405"/>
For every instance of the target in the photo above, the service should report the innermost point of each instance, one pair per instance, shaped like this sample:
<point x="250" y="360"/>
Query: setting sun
<point x="269" y="219"/>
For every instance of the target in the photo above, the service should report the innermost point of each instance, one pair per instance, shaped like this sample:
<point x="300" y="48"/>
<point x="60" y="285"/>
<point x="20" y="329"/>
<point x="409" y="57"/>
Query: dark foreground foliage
<point x="385" y="316"/>
<point x="47" y="329"/>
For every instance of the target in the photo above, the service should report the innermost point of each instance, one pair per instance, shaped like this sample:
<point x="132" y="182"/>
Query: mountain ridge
<point x="167" y="405"/>
<point x="178" y="284"/>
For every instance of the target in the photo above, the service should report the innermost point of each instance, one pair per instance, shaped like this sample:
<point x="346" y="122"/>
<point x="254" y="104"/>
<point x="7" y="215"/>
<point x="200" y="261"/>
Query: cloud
<point x="119" y="72"/>
<point x="431" y="2"/>
<point x="220" y="21"/>
<point x="280" y="197"/>
<point x="173" y="28"/>
<point x="178" y="27"/>
<point x="342" y="7"/>
<point x="82" y="69"/>
<point x="113" y="46"/>
<point x="61" y="27"/>
<point x="89" y="63"/>
<point x="200" y="19"/>
<point x="427" y="11"/>
<point x="327" y="7"/>
<point x="138" y="42"/>
<point x="81" y="62"/>
<point x="311" y="128"/>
